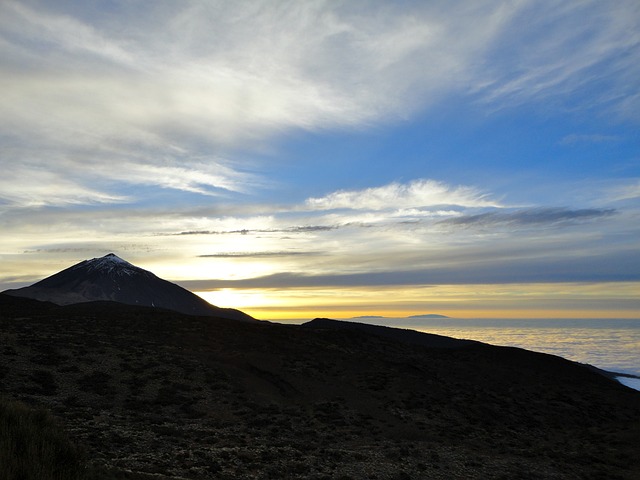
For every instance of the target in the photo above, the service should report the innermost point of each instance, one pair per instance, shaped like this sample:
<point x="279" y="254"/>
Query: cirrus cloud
<point x="203" y="79"/>
<point x="412" y="195"/>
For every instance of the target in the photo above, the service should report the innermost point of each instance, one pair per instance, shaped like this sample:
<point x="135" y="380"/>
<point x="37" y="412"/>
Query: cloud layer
<point x="530" y="217"/>
<point x="163" y="98"/>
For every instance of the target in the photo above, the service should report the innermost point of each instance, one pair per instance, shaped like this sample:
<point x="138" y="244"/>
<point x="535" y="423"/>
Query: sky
<point x="299" y="159"/>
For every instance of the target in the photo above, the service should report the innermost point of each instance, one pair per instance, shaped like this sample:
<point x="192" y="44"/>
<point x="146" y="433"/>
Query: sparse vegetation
<point x="167" y="396"/>
<point x="34" y="447"/>
<point x="43" y="383"/>
<point x="96" y="382"/>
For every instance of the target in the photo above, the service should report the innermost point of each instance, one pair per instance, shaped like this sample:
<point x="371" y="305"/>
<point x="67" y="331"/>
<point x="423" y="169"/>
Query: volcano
<point x="110" y="278"/>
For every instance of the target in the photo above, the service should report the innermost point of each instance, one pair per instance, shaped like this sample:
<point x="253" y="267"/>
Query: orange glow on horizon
<point x="310" y="314"/>
<point x="603" y="300"/>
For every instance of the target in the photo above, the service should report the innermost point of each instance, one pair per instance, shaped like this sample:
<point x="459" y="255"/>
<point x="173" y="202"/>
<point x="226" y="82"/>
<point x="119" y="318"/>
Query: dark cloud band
<point x="536" y="216"/>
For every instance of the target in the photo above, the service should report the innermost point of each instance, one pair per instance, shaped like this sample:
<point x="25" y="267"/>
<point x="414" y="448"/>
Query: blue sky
<point x="474" y="158"/>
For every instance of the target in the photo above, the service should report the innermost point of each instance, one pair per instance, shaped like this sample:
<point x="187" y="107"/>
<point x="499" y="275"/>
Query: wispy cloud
<point x="207" y="178"/>
<point x="254" y="231"/>
<point x="627" y="190"/>
<point x="575" y="138"/>
<point x="36" y="187"/>
<point x="259" y="254"/>
<point x="560" y="51"/>
<point x="530" y="217"/>
<point x="413" y="195"/>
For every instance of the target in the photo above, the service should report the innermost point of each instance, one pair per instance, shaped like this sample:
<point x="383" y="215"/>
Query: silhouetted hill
<point x="110" y="278"/>
<point x="10" y="305"/>
<point x="398" y="334"/>
<point x="163" y="395"/>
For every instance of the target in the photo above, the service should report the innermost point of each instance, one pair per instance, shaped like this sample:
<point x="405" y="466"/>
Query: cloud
<point x="55" y="251"/>
<point x="247" y="231"/>
<point x="412" y="195"/>
<point x="206" y="178"/>
<point x="564" y="53"/>
<point x="66" y="182"/>
<point x="259" y="254"/>
<point x="530" y="217"/>
<point x="605" y="267"/>
<point x="161" y="93"/>
<point x="414" y="246"/>
<point x="35" y="187"/>
<point x="629" y="190"/>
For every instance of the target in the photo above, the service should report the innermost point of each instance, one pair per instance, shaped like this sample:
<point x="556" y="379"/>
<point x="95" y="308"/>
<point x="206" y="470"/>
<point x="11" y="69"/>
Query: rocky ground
<point x="153" y="394"/>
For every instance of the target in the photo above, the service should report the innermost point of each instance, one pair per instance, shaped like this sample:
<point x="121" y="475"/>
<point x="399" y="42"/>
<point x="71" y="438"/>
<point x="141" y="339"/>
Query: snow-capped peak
<point x="112" y="257"/>
<point x="111" y="262"/>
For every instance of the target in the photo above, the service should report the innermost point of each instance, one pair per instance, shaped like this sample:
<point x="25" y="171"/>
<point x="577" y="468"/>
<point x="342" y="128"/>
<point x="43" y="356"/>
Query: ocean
<point x="609" y="344"/>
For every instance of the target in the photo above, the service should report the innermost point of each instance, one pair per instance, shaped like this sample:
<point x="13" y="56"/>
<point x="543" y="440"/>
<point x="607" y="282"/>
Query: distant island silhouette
<point x="424" y="315"/>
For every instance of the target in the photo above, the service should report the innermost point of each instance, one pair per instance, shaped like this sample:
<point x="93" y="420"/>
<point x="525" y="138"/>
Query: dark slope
<point x="110" y="278"/>
<point x="202" y="398"/>
<point x="398" y="334"/>
<point x="12" y="305"/>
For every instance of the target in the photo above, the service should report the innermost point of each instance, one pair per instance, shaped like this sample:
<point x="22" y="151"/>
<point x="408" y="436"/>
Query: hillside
<point x="156" y="392"/>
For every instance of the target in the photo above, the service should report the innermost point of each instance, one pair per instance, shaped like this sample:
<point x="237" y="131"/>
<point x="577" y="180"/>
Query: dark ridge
<point x="10" y="304"/>
<point x="117" y="307"/>
<point x="398" y="334"/>
<point x="430" y="340"/>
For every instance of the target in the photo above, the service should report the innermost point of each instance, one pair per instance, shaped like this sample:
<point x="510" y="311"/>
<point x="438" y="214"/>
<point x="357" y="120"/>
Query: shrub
<point x="34" y="447"/>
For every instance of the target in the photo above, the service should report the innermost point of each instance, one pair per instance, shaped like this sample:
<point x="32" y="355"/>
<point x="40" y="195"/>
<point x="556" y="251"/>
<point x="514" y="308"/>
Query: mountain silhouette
<point x="113" y="279"/>
<point x="403" y="335"/>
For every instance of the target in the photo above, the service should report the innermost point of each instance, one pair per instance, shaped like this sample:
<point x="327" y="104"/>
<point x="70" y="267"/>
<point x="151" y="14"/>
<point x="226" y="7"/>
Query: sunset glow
<point x="460" y="301"/>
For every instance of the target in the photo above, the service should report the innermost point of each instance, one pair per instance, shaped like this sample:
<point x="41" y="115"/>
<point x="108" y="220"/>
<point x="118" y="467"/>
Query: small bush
<point x="33" y="446"/>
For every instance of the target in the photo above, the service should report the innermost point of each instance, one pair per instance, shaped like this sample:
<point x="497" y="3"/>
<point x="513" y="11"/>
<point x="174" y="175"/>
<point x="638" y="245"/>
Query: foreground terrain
<point x="149" y="394"/>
